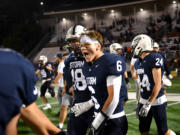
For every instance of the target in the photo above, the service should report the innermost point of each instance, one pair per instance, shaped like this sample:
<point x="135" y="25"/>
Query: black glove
<point x="127" y="80"/>
<point x="137" y="110"/>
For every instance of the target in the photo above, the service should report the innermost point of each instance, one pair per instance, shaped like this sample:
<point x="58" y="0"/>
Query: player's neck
<point x="144" y="54"/>
<point x="100" y="54"/>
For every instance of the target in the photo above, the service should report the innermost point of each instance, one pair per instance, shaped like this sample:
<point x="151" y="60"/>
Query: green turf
<point x="175" y="88"/>
<point x="173" y="114"/>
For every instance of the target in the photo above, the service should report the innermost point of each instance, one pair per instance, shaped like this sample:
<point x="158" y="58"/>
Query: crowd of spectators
<point x="165" y="30"/>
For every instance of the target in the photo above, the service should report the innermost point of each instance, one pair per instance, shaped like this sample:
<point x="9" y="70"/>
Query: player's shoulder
<point x="14" y="58"/>
<point x="154" y="55"/>
<point x="154" y="60"/>
<point x="112" y="58"/>
<point x="69" y="58"/>
<point x="162" y="54"/>
<point x="8" y="53"/>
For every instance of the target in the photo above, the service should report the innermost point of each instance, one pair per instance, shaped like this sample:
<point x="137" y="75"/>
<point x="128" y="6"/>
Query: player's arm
<point x="58" y="77"/>
<point x="128" y="85"/>
<point x="109" y="99"/>
<point x="113" y="89"/>
<point x="49" y="67"/>
<point x="37" y="72"/>
<point x="37" y="120"/>
<point x="132" y="71"/>
<point x="157" y="87"/>
<point x="11" y="128"/>
<point x="65" y="86"/>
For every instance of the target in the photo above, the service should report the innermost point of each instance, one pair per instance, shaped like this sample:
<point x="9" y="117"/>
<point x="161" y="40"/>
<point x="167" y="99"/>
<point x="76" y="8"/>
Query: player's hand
<point x="145" y="109"/>
<point x="71" y="90"/>
<point x="55" y="81"/>
<point x="80" y="108"/>
<point x="63" y="92"/>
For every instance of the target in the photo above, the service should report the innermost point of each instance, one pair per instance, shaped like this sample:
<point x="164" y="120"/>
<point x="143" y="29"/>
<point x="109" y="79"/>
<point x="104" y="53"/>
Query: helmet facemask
<point x="72" y="37"/>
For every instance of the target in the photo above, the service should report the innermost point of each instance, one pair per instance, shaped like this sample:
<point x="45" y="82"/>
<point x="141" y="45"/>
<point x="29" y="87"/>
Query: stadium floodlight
<point x="174" y="2"/>
<point x="112" y="11"/>
<point x="64" y="19"/>
<point x="141" y="9"/>
<point x="41" y="3"/>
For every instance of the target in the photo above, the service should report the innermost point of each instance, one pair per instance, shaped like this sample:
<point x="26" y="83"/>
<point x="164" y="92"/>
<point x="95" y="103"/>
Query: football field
<point x="173" y="113"/>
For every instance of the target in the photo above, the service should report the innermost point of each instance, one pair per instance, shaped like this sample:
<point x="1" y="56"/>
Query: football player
<point x="46" y="71"/>
<point x="18" y="95"/>
<point x="150" y="68"/>
<point x="116" y="48"/>
<point x="78" y="123"/>
<point x="104" y="74"/>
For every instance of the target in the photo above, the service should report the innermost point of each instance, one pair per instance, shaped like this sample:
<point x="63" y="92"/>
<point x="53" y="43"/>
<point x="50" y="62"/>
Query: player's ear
<point x="98" y="47"/>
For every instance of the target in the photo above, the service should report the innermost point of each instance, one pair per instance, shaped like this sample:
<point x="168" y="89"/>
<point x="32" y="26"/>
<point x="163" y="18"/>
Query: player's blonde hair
<point x="93" y="35"/>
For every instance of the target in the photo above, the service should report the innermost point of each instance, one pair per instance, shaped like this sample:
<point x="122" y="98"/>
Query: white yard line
<point x="53" y="103"/>
<point x="170" y="96"/>
<point x="167" y="105"/>
<point x="173" y="103"/>
<point x="130" y="101"/>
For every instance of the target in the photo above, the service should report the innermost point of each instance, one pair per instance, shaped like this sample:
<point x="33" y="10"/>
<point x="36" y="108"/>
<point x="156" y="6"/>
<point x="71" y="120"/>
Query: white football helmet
<point x="142" y="43"/>
<point x="74" y="32"/>
<point x="115" y="46"/>
<point x="156" y="45"/>
<point x="43" y="58"/>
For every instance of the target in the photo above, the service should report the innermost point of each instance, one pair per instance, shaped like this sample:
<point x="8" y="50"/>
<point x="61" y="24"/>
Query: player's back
<point x="13" y="72"/>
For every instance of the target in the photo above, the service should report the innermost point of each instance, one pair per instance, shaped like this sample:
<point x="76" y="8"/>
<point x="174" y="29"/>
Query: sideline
<point x="167" y="105"/>
<point x="53" y="103"/>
